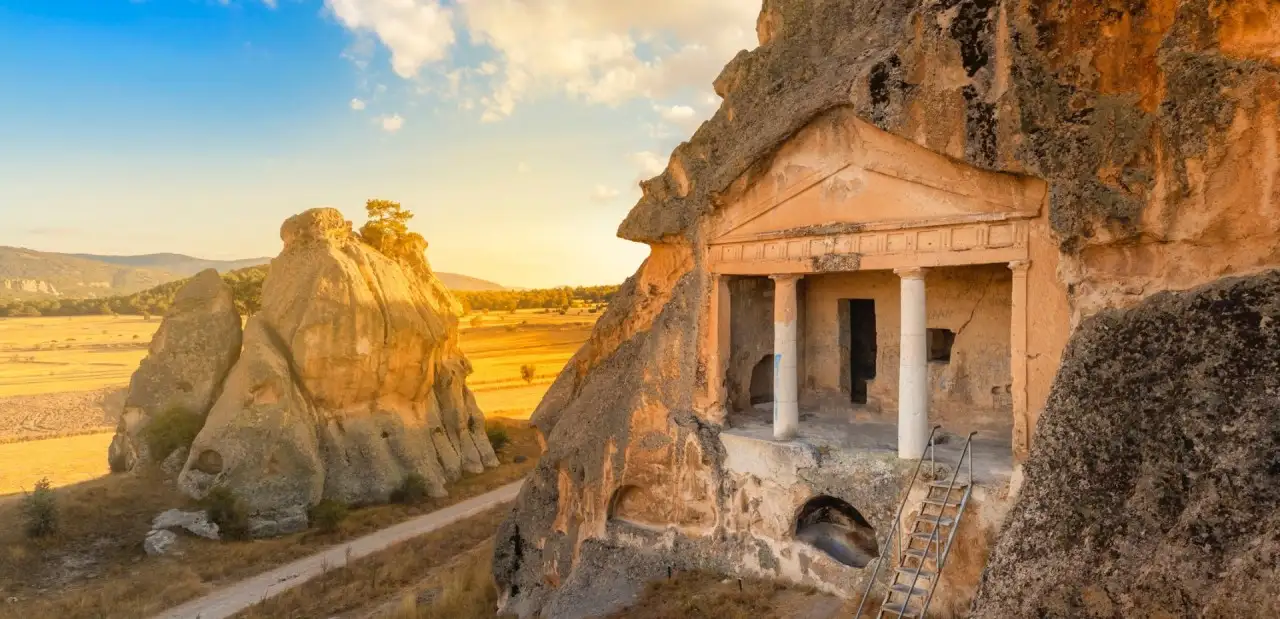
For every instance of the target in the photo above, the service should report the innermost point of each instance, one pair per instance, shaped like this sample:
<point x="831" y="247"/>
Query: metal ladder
<point x="919" y="562"/>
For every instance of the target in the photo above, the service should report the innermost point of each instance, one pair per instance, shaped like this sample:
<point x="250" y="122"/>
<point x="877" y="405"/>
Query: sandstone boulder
<point x="1152" y="488"/>
<point x="350" y="380"/>
<point x="190" y="355"/>
<point x="196" y="523"/>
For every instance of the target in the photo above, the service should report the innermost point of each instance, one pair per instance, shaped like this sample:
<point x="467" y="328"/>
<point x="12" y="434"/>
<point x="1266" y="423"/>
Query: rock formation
<point x="349" y="381"/>
<point x="1155" y="125"/>
<point x="1153" y="486"/>
<point x="190" y="354"/>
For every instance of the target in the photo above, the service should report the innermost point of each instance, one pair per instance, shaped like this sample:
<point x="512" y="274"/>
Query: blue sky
<point x="515" y="129"/>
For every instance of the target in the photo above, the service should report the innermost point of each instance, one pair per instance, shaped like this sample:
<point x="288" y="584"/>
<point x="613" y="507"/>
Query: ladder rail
<point x="891" y="538"/>
<point x="941" y="560"/>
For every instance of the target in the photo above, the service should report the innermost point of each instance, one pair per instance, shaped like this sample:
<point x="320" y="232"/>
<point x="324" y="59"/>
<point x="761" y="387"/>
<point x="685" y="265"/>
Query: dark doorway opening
<point x="762" y="381"/>
<point x="836" y="528"/>
<point x="862" y="347"/>
<point x="940" y="343"/>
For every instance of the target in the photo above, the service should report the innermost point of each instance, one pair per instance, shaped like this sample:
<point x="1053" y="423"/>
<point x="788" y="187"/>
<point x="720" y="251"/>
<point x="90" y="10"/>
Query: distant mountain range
<point x="29" y="274"/>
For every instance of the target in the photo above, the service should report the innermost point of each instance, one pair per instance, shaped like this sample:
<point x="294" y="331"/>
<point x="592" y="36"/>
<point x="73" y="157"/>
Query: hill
<point x="29" y="274"/>
<point x="457" y="282"/>
<point x="177" y="264"/>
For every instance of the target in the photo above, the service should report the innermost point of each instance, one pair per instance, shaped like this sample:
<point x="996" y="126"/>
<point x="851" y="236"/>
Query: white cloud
<point x="523" y="168"/>
<point x="417" y="32"/>
<point x="650" y="163"/>
<point x="357" y="105"/>
<point x="271" y="4"/>
<point x="675" y="114"/>
<point x="391" y="124"/>
<point x="597" y="51"/>
<point x="603" y="194"/>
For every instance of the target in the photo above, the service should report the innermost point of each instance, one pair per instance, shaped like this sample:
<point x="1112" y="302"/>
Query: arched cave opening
<point x="762" y="381"/>
<point x="836" y="528"/>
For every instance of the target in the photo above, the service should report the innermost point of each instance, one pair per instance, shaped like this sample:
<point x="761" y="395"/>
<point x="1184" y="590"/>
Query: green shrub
<point x="412" y="490"/>
<point x="173" y="429"/>
<point x="498" y="437"/>
<point x="328" y="515"/>
<point x="528" y="372"/>
<point x="40" y="510"/>
<point x="228" y="512"/>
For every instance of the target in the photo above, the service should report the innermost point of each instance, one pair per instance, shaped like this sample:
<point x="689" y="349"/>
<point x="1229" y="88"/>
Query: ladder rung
<point x="926" y="535"/>
<point x="920" y="553"/>
<point x="944" y="503"/>
<point x="957" y="486"/>
<point x="911" y="572"/>
<point x="909" y="589"/>
<point x="944" y="521"/>
<point x="900" y="610"/>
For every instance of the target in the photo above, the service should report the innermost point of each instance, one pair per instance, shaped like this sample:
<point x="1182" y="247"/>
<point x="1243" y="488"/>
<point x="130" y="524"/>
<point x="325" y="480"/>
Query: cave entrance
<point x="859" y="319"/>
<point x="762" y="381"/>
<point x="836" y="528"/>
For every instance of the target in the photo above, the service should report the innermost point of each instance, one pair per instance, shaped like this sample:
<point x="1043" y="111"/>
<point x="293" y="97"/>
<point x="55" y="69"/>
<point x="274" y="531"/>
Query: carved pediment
<point x="849" y="175"/>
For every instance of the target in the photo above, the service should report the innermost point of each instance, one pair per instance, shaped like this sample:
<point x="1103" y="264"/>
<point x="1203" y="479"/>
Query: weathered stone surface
<point x="1153" y="484"/>
<point x="159" y="542"/>
<point x="189" y="357"/>
<point x="196" y="523"/>
<point x="350" y="379"/>
<point x="1155" y="125"/>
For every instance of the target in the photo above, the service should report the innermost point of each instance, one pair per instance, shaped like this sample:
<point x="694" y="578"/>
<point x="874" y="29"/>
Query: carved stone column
<point x="913" y="373"/>
<point x="1018" y="360"/>
<point x="786" y="396"/>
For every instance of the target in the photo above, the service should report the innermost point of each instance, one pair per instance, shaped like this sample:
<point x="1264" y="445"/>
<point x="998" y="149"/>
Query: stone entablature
<point x="978" y="239"/>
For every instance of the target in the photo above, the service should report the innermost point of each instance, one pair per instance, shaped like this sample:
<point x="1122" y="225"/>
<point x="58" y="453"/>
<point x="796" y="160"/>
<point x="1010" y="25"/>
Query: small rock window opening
<point x="940" y="342"/>
<point x="837" y="529"/>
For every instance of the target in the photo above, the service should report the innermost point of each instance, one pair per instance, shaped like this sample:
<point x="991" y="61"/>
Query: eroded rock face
<point x="1154" y="123"/>
<point x="350" y="379"/>
<point x="1152" y="487"/>
<point x="190" y="355"/>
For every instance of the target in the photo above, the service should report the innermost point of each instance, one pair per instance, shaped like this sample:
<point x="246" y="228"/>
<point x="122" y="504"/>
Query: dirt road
<point x="230" y="600"/>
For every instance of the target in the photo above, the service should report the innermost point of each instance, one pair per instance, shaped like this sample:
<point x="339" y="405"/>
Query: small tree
<point x="528" y="372"/>
<point x="477" y="321"/>
<point x="498" y="437"/>
<point x="40" y="510"/>
<point x="388" y="229"/>
<point x="413" y="490"/>
<point x="228" y="512"/>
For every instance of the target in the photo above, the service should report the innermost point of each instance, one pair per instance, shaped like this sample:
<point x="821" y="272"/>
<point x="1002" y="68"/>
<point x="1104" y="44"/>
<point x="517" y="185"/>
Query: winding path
<point x="234" y="598"/>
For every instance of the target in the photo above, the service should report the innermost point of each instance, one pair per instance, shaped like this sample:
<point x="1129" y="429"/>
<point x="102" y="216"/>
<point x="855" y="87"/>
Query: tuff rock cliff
<point x="1153" y="486"/>
<point x="1155" y="123"/>
<point x="350" y="379"/>
<point x="190" y="355"/>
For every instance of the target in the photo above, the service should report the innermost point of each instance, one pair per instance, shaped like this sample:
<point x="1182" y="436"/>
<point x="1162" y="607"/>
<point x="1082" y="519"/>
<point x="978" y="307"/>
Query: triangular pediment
<point x="849" y="174"/>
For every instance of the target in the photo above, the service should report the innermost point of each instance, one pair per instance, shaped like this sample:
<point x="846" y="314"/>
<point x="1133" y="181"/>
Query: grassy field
<point x="64" y="461"/>
<point x="50" y="355"/>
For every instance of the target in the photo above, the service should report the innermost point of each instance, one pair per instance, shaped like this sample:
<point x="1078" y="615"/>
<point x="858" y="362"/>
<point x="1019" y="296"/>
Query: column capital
<point x="911" y="272"/>
<point x="786" y="277"/>
<point x="1019" y="267"/>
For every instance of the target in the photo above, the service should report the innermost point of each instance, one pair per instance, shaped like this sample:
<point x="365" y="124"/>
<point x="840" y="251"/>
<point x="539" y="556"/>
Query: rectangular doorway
<point x="860" y="322"/>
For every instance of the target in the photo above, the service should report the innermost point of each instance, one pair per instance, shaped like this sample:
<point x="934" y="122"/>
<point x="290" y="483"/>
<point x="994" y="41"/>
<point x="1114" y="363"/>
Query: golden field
<point x="40" y="358"/>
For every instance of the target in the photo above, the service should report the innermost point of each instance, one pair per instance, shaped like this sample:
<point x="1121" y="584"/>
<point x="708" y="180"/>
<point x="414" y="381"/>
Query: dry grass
<point x="64" y="461"/>
<point x="57" y="354"/>
<point x="393" y="578"/>
<point x="95" y="566"/>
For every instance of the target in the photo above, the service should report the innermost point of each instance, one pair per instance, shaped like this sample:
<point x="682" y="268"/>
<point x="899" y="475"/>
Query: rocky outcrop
<point x="190" y="354"/>
<point x="1155" y="125"/>
<point x="1152" y="487"/>
<point x="350" y="380"/>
